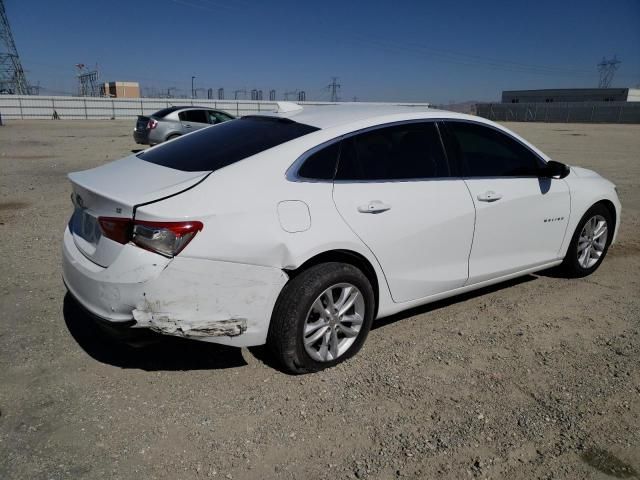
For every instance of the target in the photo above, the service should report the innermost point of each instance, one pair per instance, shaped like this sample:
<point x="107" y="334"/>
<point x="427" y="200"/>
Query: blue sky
<point x="435" y="51"/>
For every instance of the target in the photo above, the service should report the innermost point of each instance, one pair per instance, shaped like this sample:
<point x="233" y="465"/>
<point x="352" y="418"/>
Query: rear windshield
<point x="221" y="145"/>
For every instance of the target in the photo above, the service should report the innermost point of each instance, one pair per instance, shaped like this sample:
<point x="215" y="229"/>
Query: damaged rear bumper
<point x="167" y="324"/>
<point x="216" y="301"/>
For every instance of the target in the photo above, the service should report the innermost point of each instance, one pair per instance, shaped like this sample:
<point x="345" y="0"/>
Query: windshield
<point x="221" y="145"/>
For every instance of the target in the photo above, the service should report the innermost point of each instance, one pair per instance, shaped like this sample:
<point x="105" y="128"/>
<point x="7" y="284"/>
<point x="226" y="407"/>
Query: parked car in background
<point x="297" y="229"/>
<point x="172" y="122"/>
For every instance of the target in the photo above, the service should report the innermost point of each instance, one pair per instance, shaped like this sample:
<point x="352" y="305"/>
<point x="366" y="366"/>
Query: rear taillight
<point x="151" y="124"/>
<point x="165" y="238"/>
<point x="117" y="229"/>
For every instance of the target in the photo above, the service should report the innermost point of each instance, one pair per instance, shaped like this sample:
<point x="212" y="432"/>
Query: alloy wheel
<point x="333" y="322"/>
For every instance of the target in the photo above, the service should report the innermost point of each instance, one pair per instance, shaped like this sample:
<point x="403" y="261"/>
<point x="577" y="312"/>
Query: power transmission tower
<point x="272" y="95"/>
<point x="88" y="81"/>
<point x="607" y="69"/>
<point x="333" y="88"/>
<point x="242" y="92"/>
<point x="12" y="77"/>
<point x="221" y="94"/>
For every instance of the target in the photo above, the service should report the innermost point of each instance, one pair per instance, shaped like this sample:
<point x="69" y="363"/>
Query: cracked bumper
<point x="215" y="301"/>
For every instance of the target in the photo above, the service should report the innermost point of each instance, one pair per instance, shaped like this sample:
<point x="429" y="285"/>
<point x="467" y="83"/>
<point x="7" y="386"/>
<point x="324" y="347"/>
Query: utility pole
<point x="12" y="76"/>
<point x="333" y="88"/>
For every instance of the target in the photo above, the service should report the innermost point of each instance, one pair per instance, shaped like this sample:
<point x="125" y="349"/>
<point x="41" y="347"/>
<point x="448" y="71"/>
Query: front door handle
<point x="374" y="206"/>
<point x="489" y="196"/>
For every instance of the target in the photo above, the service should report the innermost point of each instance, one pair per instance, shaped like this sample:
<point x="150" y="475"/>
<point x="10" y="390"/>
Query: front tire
<point x="590" y="242"/>
<point x="322" y="317"/>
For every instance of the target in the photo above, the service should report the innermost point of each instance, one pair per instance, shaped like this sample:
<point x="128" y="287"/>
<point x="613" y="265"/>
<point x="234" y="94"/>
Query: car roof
<point x="335" y="115"/>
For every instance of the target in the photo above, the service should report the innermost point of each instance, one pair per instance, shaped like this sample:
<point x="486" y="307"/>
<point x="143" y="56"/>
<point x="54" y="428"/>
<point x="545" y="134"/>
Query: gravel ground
<point x="535" y="378"/>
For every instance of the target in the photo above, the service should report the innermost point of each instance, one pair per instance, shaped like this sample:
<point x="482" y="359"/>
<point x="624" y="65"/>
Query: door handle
<point x="186" y="125"/>
<point x="489" y="196"/>
<point x="374" y="206"/>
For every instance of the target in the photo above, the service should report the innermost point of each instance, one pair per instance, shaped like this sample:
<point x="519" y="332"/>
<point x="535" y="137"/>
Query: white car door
<point x="521" y="218"/>
<point x="395" y="190"/>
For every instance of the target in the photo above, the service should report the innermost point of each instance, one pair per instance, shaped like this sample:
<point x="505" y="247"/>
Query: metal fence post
<point x="113" y="109"/>
<point x="620" y="113"/>
<point x="86" y="114"/>
<point x="237" y="109"/>
<point x="141" y="108"/>
<point x="21" y="112"/>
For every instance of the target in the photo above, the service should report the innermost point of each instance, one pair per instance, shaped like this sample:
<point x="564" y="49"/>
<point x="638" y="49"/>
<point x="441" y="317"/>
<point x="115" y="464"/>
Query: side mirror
<point x="555" y="169"/>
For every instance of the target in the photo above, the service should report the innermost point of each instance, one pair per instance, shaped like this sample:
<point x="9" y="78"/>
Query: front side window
<point x="217" y="117"/>
<point x="209" y="149"/>
<point x="400" y="152"/>
<point x="196" y="116"/>
<point x="486" y="152"/>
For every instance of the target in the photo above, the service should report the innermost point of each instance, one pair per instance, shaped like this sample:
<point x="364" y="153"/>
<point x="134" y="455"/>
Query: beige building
<point x="121" y="89"/>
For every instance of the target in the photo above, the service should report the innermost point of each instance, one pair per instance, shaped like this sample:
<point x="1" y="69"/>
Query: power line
<point x="448" y="56"/>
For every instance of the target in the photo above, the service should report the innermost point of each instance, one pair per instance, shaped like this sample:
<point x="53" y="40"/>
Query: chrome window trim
<point x="292" y="172"/>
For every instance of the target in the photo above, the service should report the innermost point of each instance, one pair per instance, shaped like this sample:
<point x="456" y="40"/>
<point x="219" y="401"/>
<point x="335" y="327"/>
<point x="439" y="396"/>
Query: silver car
<point x="172" y="122"/>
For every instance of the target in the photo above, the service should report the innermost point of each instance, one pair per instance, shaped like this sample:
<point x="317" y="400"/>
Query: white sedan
<point x="298" y="228"/>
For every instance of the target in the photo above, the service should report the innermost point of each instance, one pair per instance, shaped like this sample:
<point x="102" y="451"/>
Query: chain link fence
<point x="562" y="112"/>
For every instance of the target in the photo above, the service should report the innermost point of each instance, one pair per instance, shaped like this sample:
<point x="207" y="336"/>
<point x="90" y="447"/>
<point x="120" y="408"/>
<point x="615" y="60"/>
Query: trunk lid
<point x="114" y="190"/>
<point x="141" y="123"/>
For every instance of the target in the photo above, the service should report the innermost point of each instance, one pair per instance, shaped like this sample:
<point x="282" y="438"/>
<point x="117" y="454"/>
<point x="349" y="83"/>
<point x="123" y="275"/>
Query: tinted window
<point x="164" y="112"/>
<point x="212" y="148"/>
<point x="217" y="117"/>
<point x="409" y="151"/>
<point x="486" y="152"/>
<point x="196" y="116"/>
<point x="322" y="164"/>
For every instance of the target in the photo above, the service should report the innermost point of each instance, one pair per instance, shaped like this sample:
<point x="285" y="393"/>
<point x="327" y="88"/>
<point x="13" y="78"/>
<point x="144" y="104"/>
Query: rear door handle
<point x="489" y="196"/>
<point x="374" y="206"/>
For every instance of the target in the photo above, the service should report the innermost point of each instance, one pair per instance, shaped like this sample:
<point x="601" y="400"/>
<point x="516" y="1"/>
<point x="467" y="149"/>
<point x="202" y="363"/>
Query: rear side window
<point x="321" y="165"/>
<point x="487" y="152"/>
<point x="408" y="151"/>
<point x="164" y="112"/>
<point x="216" y="147"/>
<point x="196" y="116"/>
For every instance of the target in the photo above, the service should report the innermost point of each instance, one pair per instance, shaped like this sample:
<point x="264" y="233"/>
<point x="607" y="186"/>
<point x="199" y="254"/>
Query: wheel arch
<point x="608" y="204"/>
<point x="343" y="256"/>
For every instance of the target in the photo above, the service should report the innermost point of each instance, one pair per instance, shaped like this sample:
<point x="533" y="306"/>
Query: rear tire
<point x="590" y="242"/>
<point x="322" y="317"/>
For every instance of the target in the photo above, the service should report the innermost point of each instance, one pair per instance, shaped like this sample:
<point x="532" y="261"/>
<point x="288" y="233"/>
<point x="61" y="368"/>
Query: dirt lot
<point x="537" y="378"/>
